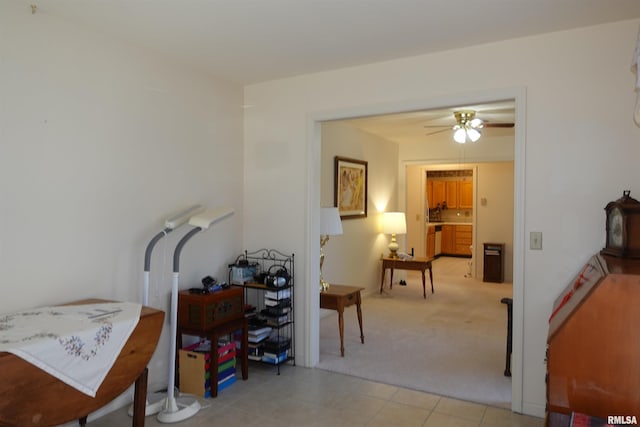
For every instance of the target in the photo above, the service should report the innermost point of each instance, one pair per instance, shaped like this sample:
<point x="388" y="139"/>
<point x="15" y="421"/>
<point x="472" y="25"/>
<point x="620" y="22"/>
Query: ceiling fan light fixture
<point x="460" y="135"/>
<point x="473" y="134"/>
<point x="476" y="123"/>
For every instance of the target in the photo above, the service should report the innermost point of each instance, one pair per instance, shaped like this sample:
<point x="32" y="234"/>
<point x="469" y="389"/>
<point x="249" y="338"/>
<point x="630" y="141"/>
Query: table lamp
<point x="330" y="225"/>
<point x="394" y="223"/>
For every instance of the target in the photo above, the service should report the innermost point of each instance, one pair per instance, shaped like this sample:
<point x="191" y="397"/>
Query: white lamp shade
<point x="473" y="134"/>
<point x="460" y="136"/>
<point x="330" y="222"/>
<point x="394" y="223"/>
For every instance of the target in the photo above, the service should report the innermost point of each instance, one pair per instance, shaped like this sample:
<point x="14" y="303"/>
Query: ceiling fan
<point x="468" y="126"/>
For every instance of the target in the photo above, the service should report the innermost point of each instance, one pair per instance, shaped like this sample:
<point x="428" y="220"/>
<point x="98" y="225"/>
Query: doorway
<point x="519" y="97"/>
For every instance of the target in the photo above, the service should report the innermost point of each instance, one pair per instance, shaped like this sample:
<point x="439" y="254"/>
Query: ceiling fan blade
<point x="497" y="125"/>
<point x="438" y="126"/>
<point x="438" y="131"/>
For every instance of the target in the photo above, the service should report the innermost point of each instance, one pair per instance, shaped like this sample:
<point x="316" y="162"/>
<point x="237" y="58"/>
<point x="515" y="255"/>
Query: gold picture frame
<point x="350" y="191"/>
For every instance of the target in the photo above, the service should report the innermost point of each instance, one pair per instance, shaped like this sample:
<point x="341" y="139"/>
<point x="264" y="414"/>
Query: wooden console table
<point x="337" y="297"/>
<point x="30" y="397"/>
<point x="417" y="264"/>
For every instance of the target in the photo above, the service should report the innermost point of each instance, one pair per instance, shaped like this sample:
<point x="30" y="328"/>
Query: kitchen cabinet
<point x="452" y="194"/>
<point x="439" y="192"/>
<point x="430" y="202"/>
<point x="431" y="241"/>
<point x="448" y="236"/>
<point x="465" y="194"/>
<point x="463" y="239"/>
<point x="456" y="239"/>
<point x="457" y="194"/>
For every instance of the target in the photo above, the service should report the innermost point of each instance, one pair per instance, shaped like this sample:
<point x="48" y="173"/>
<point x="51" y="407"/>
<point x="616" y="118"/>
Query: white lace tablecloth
<point x="78" y="344"/>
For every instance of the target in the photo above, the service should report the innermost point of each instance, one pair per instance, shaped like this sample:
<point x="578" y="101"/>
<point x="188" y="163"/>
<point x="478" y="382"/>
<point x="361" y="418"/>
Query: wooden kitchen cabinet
<point x="430" y="202"/>
<point x="463" y="239"/>
<point x="452" y="194"/>
<point x="456" y="239"/>
<point x="431" y="241"/>
<point x="448" y="236"/>
<point x="465" y="194"/>
<point x="439" y="192"/>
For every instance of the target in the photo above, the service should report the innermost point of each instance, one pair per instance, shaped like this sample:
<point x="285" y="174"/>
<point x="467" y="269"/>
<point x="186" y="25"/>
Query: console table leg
<point x="140" y="399"/>
<point x="431" y="277"/>
<point x="359" y="311"/>
<point x="341" y="327"/>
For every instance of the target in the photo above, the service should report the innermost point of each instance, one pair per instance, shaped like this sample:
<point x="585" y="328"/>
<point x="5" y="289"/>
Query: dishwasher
<point x="438" y="245"/>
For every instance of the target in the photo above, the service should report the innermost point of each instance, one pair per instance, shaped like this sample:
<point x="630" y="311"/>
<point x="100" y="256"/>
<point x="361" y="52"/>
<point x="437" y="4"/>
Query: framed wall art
<point x="350" y="192"/>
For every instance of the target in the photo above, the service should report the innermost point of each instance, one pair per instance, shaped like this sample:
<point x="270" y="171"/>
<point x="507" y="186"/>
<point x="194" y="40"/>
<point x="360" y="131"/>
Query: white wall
<point x="352" y="258"/>
<point x="495" y="219"/>
<point x="99" y="144"/>
<point x="581" y="150"/>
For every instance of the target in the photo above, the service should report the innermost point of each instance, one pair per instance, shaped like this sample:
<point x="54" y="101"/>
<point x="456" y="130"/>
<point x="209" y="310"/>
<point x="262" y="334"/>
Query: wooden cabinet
<point x="448" y="236"/>
<point x="456" y="239"/>
<point x="430" y="202"/>
<point x="592" y="346"/>
<point x="431" y="241"/>
<point x="439" y="192"/>
<point x="452" y="194"/>
<point x="493" y="270"/>
<point x="457" y="194"/>
<point x="463" y="239"/>
<point x="465" y="194"/>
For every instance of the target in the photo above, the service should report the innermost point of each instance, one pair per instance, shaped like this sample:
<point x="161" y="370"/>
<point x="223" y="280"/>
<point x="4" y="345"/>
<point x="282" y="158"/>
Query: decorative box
<point x="205" y="311"/>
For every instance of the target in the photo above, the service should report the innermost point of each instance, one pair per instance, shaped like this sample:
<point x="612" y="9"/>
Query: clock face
<point x="615" y="228"/>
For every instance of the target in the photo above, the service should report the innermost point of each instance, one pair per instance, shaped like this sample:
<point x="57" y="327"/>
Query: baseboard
<point x="533" y="409"/>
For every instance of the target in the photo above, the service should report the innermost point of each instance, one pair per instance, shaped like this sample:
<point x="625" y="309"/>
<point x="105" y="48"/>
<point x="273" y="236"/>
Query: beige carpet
<point x="451" y="344"/>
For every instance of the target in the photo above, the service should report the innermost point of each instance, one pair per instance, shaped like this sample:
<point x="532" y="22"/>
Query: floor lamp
<point x="330" y="225"/>
<point x="172" y="411"/>
<point x="154" y="406"/>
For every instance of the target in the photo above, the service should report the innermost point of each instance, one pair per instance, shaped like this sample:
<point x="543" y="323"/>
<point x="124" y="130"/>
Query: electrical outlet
<point x="535" y="240"/>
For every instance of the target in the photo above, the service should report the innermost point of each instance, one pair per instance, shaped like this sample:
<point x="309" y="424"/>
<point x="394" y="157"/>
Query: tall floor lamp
<point x="155" y="406"/>
<point x="330" y="225"/>
<point x="174" y="412"/>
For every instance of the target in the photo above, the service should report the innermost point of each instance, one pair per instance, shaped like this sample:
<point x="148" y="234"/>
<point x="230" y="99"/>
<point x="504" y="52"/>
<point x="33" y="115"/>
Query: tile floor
<point x="313" y="397"/>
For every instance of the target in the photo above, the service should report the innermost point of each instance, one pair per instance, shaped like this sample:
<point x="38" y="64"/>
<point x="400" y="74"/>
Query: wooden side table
<point x="213" y="316"/>
<point x="31" y="397"/>
<point x="337" y="297"/>
<point x="417" y="264"/>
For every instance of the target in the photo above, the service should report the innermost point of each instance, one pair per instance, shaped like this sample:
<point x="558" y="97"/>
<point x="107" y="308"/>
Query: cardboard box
<point x="194" y="369"/>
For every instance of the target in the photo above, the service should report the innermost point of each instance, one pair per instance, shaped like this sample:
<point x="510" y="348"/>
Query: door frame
<point x="311" y="313"/>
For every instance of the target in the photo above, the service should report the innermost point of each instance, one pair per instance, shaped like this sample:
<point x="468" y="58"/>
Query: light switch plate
<point x="535" y="240"/>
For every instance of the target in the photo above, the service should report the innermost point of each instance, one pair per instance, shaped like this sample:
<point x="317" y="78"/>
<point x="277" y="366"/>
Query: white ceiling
<point x="411" y="126"/>
<point x="249" y="41"/>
